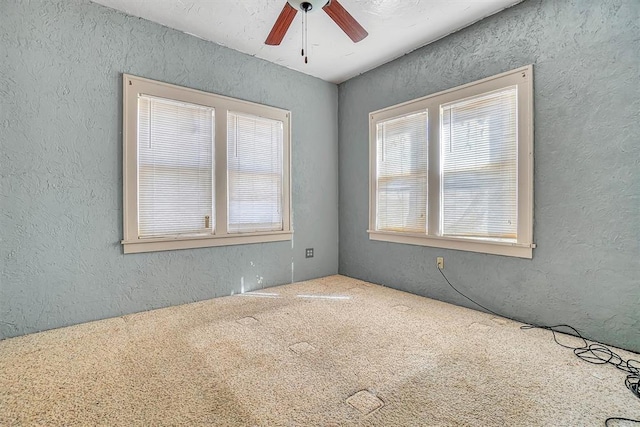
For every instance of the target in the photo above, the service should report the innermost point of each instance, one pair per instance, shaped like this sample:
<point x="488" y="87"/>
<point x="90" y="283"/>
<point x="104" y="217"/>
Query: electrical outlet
<point x="309" y="253"/>
<point x="440" y="262"/>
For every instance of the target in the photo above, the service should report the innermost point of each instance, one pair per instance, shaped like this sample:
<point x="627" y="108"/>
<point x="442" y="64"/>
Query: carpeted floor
<point x="328" y="352"/>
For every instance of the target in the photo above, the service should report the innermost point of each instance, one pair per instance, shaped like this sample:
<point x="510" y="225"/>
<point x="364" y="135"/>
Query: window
<point x="254" y="164"/>
<point x="455" y="169"/>
<point x="201" y="169"/>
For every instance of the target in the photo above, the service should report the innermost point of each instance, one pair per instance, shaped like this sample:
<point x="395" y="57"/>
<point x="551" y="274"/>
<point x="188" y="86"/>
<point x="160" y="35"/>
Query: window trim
<point x="522" y="78"/>
<point x="134" y="85"/>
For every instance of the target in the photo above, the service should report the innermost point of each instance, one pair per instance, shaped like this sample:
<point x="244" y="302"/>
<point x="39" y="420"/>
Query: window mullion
<point x="220" y="171"/>
<point x="433" y="200"/>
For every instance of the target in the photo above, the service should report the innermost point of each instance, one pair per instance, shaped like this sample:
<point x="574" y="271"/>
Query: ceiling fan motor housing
<point x="304" y="4"/>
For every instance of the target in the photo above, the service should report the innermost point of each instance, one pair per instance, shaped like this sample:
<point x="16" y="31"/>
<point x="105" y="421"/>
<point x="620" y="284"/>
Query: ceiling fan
<point x="339" y="14"/>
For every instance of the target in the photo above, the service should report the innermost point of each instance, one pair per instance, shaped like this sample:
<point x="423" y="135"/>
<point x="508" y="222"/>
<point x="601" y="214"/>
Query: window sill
<point x="168" y="244"/>
<point x="518" y="250"/>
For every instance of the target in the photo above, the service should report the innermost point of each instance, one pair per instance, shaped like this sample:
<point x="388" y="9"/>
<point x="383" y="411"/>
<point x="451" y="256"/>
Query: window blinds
<point x="254" y="165"/>
<point x="402" y="174"/>
<point x="175" y="165"/>
<point x="479" y="166"/>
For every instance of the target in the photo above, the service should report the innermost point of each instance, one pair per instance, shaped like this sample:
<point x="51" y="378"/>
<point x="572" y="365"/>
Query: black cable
<point x="453" y="287"/>
<point x="598" y="354"/>
<point x="595" y="353"/>
<point x="606" y="423"/>
<point x="555" y="329"/>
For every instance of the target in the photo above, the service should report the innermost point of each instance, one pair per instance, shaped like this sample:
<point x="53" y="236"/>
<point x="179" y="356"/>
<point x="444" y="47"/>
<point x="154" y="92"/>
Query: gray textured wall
<point x="586" y="269"/>
<point x="61" y="167"/>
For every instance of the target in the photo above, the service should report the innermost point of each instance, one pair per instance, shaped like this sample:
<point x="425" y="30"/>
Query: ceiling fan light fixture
<point x="308" y="5"/>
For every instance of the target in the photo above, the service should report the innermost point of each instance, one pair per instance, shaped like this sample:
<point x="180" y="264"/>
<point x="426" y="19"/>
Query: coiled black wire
<point x="606" y="423"/>
<point x="595" y="353"/>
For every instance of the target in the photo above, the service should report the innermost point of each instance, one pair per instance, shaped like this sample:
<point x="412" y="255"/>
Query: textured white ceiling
<point x="395" y="27"/>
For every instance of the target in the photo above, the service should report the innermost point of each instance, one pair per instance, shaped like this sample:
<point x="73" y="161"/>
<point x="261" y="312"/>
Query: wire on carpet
<point x="453" y="287"/>
<point x="595" y="353"/>
<point x="608" y="421"/>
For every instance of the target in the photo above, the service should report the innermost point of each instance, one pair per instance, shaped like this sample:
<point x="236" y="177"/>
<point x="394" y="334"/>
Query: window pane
<point x="479" y="166"/>
<point x="254" y="166"/>
<point x="175" y="162"/>
<point x="402" y="174"/>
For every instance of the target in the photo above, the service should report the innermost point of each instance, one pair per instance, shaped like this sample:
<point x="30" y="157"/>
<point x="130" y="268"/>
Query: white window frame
<point x="134" y="86"/>
<point x="522" y="78"/>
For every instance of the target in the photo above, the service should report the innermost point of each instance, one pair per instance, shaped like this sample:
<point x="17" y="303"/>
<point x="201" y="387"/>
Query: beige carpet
<point x="328" y="352"/>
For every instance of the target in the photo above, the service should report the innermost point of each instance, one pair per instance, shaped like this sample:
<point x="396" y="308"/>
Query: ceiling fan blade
<point x="345" y="21"/>
<point x="282" y="25"/>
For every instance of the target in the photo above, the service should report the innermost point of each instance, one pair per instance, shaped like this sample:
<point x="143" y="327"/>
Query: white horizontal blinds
<point x="175" y="168"/>
<point x="479" y="147"/>
<point x="401" y="185"/>
<point x="254" y="167"/>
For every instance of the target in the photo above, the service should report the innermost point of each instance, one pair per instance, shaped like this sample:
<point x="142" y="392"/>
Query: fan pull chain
<point x="305" y="37"/>
<point x="303" y="17"/>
